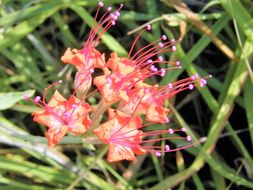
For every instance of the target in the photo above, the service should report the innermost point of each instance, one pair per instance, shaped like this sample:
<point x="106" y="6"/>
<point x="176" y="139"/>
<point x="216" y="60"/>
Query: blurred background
<point x="216" y="39"/>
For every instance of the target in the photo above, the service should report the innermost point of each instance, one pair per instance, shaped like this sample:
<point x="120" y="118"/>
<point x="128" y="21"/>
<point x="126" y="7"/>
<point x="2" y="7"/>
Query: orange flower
<point x="121" y="134"/>
<point x="124" y="138"/>
<point x="127" y="72"/>
<point x="121" y="66"/>
<point x="62" y="116"/>
<point x="77" y="57"/>
<point x="88" y="58"/>
<point x="146" y="101"/>
<point x="112" y="87"/>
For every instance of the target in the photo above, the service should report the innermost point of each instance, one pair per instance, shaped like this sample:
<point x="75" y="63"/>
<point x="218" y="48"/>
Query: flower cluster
<point x="131" y="103"/>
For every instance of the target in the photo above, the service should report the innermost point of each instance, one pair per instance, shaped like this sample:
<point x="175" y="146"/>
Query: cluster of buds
<point x="131" y="103"/>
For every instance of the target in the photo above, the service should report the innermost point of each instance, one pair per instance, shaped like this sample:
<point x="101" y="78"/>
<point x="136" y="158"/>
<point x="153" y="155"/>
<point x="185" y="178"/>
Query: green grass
<point x="34" y="35"/>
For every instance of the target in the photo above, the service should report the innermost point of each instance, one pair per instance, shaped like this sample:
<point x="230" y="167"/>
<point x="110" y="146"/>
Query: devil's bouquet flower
<point x="128" y="103"/>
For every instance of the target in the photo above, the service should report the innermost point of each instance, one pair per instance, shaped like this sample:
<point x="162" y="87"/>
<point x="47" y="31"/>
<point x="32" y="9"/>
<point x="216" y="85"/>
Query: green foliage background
<point x="35" y="33"/>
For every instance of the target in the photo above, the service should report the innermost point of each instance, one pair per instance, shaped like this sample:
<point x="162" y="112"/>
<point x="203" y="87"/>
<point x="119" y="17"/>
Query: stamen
<point x="167" y="120"/>
<point x="149" y="61"/>
<point x="117" y="13"/>
<point x="37" y="98"/>
<point x="164" y="37"/>
<point x="188" y="138"/>
<point x="191" y="86"/>
<point x="170" y="86"/>
<point x="91" y="70"/>
<point x="171" y="131"/>
<point x="158" y="154"/>
<point x="48" y="87"/>
<point x="183" y="129"/>
<point x="160" y="58"/>
<point x="194" y="77"/>
<point x="74" y="106"/>
<point x="178" y="63"/>
<point x="108" y="81"/>
<point x="149" y="27"/>
<point x="161" y="45"/>
<point x="167" y="148"/>
<point x="163" y="72"/>
<point x="173" y="48"/>
<point x="100" y="4"/>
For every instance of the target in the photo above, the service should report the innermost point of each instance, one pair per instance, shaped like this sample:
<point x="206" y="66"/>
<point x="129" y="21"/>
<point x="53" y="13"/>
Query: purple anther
<point x="108" y="80"/>
<point x="117" y="13"/>
<point x="113" y="22"/>
<point x="37" y="98"/>
<point x="60" y="81"/>
<point x="67" y="114"/>
<point x="183" y="129"/>
<point x="203" y="81"/>
<point x="167" y="148"/>
<point x="74" y="106"/>
<point x="160" y="44"/>
<point x="191" y="86"/>
<point x="163" y="72"/>
<point x="109" y="9"/>
<point x="164" y="37"/>
<point x="148" y="27"/>
<point x="146" y="90"/>
<point x="170" y="86"/>
<point x="149" y="61"/>
<point x="167" y="120"/>
<point x="152" y="67"/>
<point x="160" y="58"/>
<point x="91" y="70"/>
<point x="173" y="48"/>
<point x="178" y="63"/>
<point x="158" y="154"/>
<point x="113" y="16"/>
<point x="171" y="131"/>
<point x="188" y="138"/>
<point x="195" y="76"/>
<point x="100" y="4"/>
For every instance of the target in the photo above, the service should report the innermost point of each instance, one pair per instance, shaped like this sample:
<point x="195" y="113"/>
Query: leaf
<point x="8" y="99"/>
<point x="248" y="92"/>
<point x="22" y="29"/>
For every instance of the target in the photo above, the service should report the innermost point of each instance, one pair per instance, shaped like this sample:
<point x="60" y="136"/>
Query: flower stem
<point x="97" y="115"/>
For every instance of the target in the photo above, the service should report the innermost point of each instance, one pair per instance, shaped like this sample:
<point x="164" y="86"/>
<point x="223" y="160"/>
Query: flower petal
<point x="117" y="152"/>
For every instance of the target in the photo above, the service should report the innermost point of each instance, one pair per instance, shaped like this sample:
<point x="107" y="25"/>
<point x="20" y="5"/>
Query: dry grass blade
<point x="193" y="18"/>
